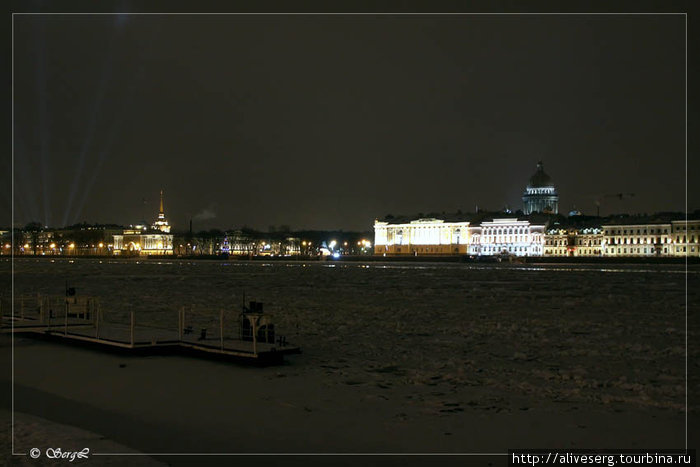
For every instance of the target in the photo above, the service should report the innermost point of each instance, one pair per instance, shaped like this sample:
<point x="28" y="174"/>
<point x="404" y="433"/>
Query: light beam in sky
<point x="92" y="123"/>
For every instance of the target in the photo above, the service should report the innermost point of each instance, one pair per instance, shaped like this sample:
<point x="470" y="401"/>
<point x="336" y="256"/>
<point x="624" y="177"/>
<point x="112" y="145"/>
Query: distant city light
<point x="53" y="245"/>
<point x="101" y="245"/>
<point x="336" y="255"/>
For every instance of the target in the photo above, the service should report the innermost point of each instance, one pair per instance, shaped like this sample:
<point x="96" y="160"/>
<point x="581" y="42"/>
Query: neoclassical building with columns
<point x="428" y="236"/>
<point x="508" y="236"/>
<point x="143" y="241"/>
<point x="431" y="236"/>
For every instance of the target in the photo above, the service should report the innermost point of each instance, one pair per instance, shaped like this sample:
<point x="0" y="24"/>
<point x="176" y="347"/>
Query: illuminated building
<point x="421" y="237"/>
<point x="540" y="194"/>
<point x="225" y="247"/>
<point x="573" y="242"/>
<point x="638" y="240"/>
<point x="556" y="243"/>
<point x="588" y="242"/>
<point x="684" y="236"/>
<point x="507" y="236"/>
<point x="240" y="243"/>
<point x="286" y="246"/>
<point x="437" y="237"/>
<point x="142" y="241"/>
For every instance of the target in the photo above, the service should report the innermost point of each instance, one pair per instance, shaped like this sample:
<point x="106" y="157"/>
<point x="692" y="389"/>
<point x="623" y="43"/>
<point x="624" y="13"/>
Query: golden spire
<point x="161" y="203"/>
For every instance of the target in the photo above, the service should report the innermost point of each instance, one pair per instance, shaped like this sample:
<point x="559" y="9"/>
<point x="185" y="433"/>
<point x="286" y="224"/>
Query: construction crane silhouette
<point x="619" y="196"/>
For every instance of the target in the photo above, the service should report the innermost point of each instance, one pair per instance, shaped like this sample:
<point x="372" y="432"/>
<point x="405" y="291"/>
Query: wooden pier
<point x="82" y="320"/>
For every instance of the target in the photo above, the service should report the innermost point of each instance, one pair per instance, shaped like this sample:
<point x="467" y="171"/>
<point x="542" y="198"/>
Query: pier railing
<point x="84" y="318"/>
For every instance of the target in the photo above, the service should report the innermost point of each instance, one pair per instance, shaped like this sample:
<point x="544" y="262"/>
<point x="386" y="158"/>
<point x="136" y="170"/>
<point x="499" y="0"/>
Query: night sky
<point x="332" y="121"/>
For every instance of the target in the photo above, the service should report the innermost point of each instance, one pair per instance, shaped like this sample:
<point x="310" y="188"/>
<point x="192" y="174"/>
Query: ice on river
<point x="445" y="336"/>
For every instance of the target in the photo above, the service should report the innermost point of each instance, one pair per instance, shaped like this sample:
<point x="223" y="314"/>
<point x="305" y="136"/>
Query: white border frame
<point x="309" y="454"/>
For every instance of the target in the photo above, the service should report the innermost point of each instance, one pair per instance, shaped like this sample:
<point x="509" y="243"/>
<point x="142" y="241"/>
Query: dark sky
<point x="331" y="121"/>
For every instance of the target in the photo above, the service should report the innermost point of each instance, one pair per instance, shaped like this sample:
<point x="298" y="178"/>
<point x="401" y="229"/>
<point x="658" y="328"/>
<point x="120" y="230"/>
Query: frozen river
<point x="482" y="336"/>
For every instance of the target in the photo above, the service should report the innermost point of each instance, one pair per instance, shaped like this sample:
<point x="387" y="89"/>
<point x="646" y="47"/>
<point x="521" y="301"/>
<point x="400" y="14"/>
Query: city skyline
<point x="255" y="121"/>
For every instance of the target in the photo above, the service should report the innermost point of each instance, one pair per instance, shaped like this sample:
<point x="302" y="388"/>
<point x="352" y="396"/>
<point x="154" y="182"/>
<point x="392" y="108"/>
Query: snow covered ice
<point x="429" y="344"/>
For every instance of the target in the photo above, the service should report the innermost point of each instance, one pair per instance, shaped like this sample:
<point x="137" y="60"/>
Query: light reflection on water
<point x="544" y="267"/>
<point x="548" y="268"/>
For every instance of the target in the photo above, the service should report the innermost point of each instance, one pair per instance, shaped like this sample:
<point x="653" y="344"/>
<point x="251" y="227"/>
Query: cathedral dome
<point x="540" y="179"/>
<point x="540" y="194"/>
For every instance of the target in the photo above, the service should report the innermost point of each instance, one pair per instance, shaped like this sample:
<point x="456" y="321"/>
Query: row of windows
<point x="428" y="249"/>
<point x="635" y="241"/>
<point x="588" y="242"/>
<point x="579" y="242"/>
<point x="652" y="231"/>
<point x="649" y="240"/>
<point x="564" y="251"/>
<point x="507" y="239"/>
<point x="633" y="251"/>
<point x="510" y="249"/>
<point x="638" y="231"/>
<point x="516" y="231"/>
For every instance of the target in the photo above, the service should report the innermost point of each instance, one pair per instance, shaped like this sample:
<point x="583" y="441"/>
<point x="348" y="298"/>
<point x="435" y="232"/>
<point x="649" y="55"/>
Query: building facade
<point x="557" y="242"/>
<point x="574" y="242"/>
<point x="437" y="237"/>
<point x="637" y="240"/>
<point x="508" y="236"/>
<point x="540" y="194"/>
<point x="588" y="242"/>
<point x="421" y="237"/>
<point x="685" y="238"/>
<point x="140" y="240"/>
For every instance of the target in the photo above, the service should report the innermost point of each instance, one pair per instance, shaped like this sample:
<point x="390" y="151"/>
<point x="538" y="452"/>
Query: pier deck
<point x="90" y="328"/>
